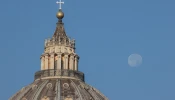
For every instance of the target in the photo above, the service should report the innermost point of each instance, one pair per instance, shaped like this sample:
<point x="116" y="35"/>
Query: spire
<point x="60" y="34"/>
<point x="59" y="37"/>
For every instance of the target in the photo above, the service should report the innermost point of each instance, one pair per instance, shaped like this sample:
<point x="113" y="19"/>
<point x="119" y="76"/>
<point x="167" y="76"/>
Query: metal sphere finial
<point x="60" y="14"/>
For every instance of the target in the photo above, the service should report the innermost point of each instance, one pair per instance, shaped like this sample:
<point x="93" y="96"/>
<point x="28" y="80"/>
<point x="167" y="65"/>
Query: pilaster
<point x="52" y="56"/>
<point x="42" y="62"/>
<point x="75" y="63"/>
<point x="46" y="62"/>
<point x="59" y="61"/>
<point x="66" y="61"/>
<point x="71" y="64"/>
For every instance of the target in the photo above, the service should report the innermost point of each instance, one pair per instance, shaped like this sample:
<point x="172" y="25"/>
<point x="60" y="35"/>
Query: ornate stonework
<point x="59" y="89"/>
<point x="59" y="78"/>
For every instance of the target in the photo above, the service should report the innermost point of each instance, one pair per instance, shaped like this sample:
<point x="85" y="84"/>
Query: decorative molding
<point x="49" y="85"/>
<point x="66" y="85"/>
<point x="59" y="73"/>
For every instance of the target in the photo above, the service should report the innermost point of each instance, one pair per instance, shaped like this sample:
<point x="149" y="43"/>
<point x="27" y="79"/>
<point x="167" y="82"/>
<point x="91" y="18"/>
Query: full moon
<point x="135" y="60"/>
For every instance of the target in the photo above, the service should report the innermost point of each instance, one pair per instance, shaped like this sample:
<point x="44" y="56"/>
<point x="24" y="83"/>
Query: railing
<point x="52" y="72"/>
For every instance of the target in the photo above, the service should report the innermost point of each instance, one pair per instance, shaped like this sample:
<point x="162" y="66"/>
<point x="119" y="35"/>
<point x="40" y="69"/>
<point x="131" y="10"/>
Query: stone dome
<point x="70" y="86"/>
<point x="59" y="78"/>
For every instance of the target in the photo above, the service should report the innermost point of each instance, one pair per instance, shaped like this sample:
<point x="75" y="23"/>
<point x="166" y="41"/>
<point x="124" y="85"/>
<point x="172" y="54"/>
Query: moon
<point x="135" y="60"/>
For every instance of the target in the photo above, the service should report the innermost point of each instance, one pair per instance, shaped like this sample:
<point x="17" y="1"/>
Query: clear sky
<point x="106" y="33"/>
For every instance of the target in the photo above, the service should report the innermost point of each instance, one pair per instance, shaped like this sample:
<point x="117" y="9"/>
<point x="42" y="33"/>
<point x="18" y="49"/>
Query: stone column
<point x="46" y="62"/>
<point x="71" y="64"/>
<point x="75" y="63"/>
<point x="52" y="61"/>
<point x="42" y="63"/>
<point x="59" y="61"/>
<point x="66" y="61"/>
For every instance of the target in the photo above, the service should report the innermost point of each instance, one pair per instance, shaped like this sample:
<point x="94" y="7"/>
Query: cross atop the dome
<point x="60" y="3"/>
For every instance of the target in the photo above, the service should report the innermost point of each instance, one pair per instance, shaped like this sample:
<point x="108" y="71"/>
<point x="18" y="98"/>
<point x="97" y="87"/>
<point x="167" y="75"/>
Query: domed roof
<point x="57" y="88"/>
<point x="59" y="78"/>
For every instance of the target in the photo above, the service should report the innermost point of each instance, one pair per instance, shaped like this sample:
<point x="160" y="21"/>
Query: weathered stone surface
<point x="58" y="89"/>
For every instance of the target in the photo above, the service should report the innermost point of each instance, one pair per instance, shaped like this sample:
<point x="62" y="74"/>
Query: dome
<point x="59" y="77"/>
<point x="70" y="87"/>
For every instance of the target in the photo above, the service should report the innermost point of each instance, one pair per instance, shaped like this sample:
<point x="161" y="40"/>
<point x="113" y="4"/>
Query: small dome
<point x="60" y="14"/>
<point x="58" y="89"/>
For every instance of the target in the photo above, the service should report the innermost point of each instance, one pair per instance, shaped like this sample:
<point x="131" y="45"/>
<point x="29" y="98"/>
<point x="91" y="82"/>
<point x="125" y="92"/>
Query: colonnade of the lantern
<point x="59" y="64"/>
<point x="71" y="63"/>
<point x="51" y="65"/>
<point x="46" y="61"/>
<point x="76" y="63"/>
<point x="42" y="63"/>
<point x="59" y="61"/>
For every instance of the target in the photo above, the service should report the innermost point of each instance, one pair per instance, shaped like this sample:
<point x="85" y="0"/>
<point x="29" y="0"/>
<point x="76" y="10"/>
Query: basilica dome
<point x="59" y="77"/>
<point x="67" y="87"/>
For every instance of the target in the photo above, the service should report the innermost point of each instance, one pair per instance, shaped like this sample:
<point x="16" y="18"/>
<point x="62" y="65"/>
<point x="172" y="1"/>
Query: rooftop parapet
<point x="60" y="42"/>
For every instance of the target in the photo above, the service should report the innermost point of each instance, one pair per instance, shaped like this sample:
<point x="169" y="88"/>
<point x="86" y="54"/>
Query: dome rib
<point x="38" y="91"/>
<point x="57" y="90"/>
<point x="77" y="90"/>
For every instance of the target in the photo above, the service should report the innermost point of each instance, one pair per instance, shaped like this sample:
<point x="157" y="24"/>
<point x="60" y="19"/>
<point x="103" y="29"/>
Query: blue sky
<point x="106" y="33"/>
